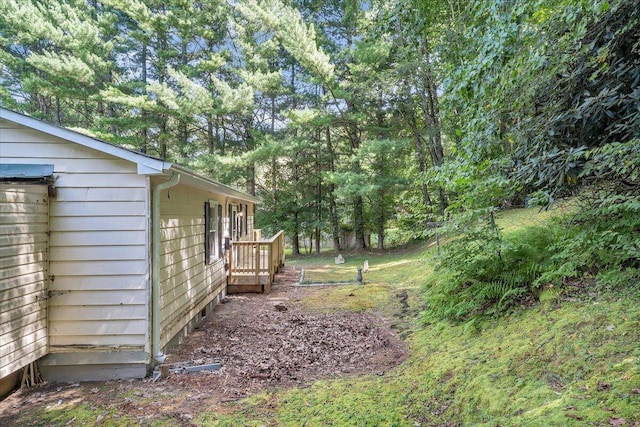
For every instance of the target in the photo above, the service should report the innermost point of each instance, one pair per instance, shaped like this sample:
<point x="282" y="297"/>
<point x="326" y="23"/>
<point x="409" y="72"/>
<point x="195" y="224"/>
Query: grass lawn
<point x="555" y="364"/>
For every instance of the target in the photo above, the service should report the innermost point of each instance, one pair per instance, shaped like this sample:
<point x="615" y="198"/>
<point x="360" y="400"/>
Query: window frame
<point x="233" y="222"/>
<point x="212" y="231"/>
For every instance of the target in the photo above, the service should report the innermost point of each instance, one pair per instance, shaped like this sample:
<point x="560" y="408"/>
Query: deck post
<point x="271" y="272"/>
<point x="230" y="264"/>
<point x="257" y="265"/>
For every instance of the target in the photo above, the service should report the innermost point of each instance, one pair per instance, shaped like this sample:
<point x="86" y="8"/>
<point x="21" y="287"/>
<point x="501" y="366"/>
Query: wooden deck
<point x="254" y="263"/>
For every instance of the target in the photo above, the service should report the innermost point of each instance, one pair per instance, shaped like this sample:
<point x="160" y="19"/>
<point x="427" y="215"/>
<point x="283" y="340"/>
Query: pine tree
<point x="56" y="57"/>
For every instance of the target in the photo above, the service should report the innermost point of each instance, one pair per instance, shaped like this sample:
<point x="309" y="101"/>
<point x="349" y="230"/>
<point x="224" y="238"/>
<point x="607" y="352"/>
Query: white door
<point x="24" y="247"/>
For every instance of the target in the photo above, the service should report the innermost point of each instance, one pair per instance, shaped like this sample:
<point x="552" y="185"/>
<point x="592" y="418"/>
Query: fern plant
<point x="486" y="273"/>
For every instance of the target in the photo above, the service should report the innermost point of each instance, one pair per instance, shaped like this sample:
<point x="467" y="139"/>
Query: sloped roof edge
<point x="147" y="165"/>
<point x="203" y="182"/>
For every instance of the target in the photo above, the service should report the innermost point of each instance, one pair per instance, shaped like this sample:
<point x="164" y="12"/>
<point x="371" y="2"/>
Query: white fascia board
<point x="146" y="170"/>
<point x="147" y="165"/>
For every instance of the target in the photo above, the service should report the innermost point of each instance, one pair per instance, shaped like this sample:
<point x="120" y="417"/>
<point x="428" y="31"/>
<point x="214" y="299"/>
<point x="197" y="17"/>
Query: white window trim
<point x="215" y="225"/>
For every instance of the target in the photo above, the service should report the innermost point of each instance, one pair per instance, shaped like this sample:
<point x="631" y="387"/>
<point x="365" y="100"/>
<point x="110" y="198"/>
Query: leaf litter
<point x="262" y="341"/>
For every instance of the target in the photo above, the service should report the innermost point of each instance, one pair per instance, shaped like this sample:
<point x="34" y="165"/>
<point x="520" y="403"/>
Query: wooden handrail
<point x="256" y="257"/>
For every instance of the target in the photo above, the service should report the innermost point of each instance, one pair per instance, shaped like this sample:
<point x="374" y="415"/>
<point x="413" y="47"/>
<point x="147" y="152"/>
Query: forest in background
<point x="357" y="118"/>
<point x="382" y="119"/>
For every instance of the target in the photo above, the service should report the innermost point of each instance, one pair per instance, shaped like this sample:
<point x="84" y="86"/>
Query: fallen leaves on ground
<point x="259" y="347"/>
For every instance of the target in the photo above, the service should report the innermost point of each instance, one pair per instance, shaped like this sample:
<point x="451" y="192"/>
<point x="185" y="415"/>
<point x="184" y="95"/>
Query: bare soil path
<point x="261" y="341"/>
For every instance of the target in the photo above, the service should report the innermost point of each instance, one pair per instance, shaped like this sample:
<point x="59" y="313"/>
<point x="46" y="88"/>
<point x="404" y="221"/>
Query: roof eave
<point x="146" y="165"/>
<point x="211" y="185"/>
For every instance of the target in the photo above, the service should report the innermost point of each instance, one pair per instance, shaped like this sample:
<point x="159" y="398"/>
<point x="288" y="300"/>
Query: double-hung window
<point x="213" y="231"/>
<point x="246" y="219"/>
<point x="233" y="222"/>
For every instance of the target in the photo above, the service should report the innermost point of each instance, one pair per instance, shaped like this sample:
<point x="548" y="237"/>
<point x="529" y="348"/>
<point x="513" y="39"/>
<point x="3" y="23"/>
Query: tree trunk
<point x="318" y="198"/>
<point x="333" y="211"/>
<point x="358" y="222"/>
<point x="380" y="209"/>
<point x="211" y="140"/>
<point x="221" y="140"/>
<point x="162" y="77"/>
<point x="250" y="144"/>
<point x="380" y="222"/>
<point x="421" y="156"/>
<point x="183" y="138"/>
<point x="144" y="132"/>
<point x="295" y="242"/>
<point x="251" y="179"/>
<point x="162" y="138"/>
<point x="431" y="109"/>
<point x="274" y="160"/>
<point x="318" y="236"/>
<point x="295" y="239"/>
<point x="274" y="181"/>
<point x="87" y="113"/>
<point x="58" y="112"/>
<point x="358" y="203"/>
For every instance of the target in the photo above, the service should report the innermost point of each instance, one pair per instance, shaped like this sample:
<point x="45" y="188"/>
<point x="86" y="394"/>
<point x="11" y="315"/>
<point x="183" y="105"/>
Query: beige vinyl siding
<point x="23" y="272"/>
<point x="99" y="262"/>
<point x="187" y="284"/>
<point x="99" y="273"/>
<point x="99" y="258"/>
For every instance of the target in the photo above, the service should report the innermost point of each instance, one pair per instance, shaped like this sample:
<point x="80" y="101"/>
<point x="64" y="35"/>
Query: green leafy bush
<point x="603" y="236"/>
<point x="483" y="272"/>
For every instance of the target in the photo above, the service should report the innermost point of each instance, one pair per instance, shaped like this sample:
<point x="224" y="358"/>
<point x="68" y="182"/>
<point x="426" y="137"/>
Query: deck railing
<point x="255" y="262"/>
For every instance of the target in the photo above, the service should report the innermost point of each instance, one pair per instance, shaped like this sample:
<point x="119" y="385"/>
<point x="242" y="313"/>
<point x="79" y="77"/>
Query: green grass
<point x="514" y="219"/>
<point x="549" y="366"/>
<point x="81" y="414"/>
<point x="388" y="275"/>
<point x="384" y="267"/>
<point x="569" y="364"/>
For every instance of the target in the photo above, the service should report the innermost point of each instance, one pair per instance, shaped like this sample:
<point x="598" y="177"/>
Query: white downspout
<point x="155" y="267"/>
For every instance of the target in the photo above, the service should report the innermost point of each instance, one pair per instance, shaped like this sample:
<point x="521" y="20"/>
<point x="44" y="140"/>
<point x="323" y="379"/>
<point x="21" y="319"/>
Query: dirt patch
<point x="262" y="341"/>
<point x="270" y="340"/>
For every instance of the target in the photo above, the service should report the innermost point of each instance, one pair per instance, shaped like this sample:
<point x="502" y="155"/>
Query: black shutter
<point x="207" y="227"/>
<point x="219" y="219"/>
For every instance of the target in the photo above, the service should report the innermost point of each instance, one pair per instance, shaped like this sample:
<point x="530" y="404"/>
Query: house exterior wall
<point x="99" y="265"/>
<point x="99" y="298"/>
<point x="24" y="226"/>
<point x="188" y="285"/>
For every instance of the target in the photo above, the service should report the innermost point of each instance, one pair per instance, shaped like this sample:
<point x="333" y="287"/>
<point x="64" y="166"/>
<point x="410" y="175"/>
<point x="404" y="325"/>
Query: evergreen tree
<point x="56" y="57"/>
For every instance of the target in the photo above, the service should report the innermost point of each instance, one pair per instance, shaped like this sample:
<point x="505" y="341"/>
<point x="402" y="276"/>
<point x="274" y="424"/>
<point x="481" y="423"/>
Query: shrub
<point x="485" y="273"/>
